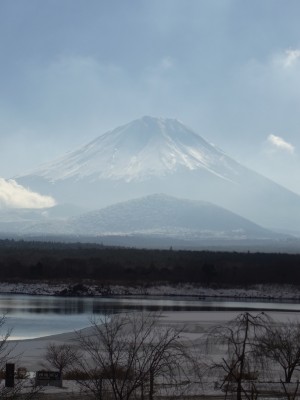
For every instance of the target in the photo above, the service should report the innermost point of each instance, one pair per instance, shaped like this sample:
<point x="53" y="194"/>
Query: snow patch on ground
<point x="279" y="292"/>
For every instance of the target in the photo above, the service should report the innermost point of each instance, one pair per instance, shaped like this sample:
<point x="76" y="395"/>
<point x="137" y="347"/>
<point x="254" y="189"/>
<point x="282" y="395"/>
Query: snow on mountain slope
<point x="143" y="148"/>
<point x="158" y="215"/>
<point x="155" y="155"/>
<point x="162" y="214"/>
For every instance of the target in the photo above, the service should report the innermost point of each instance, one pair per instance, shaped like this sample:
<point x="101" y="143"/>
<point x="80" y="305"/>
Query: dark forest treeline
<point x="23" y="260"/>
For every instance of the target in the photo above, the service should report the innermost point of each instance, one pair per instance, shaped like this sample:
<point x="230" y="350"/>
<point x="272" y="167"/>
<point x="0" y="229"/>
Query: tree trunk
<point x="288" y="375"/>
<point x="151" y="385"/>
<point x="239" y="390"/>
<point x="242" y="360"/>
<point x="142" y="390"/>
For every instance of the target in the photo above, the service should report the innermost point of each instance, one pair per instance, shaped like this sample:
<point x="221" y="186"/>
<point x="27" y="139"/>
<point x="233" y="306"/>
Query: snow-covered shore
<point x="193" y="325"/>
<point x="272" y="292"/>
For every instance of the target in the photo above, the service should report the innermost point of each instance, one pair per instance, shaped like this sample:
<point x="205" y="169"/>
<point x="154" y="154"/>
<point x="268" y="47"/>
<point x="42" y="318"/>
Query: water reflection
<point x="33" y="316"/>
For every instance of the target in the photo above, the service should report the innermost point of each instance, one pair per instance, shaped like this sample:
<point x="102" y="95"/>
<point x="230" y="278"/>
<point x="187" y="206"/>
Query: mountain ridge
<point x="129" y="152"/>
<point x="158" y="214"/>
<point x="151" y="155"/>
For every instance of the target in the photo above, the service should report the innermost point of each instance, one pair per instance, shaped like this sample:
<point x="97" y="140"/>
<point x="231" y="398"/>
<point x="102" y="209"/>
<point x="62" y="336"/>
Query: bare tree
<point x="5" y="349"/>
<point x="238" y="340"/>
<point x="61" y="357"/>
<point x="290" y="395"/>
<point x="22" y="389"/>
<point x="128" y="354"/>
<point x="280" y="344"/>
<point x="163" y="357"/>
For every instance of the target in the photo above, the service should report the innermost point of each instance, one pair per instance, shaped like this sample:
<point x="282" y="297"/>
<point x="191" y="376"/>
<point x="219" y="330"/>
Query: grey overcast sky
<point x="229" y="69"/>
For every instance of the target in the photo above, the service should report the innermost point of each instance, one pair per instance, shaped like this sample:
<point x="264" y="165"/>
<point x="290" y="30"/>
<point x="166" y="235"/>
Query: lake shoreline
<point x="258" y="292"/>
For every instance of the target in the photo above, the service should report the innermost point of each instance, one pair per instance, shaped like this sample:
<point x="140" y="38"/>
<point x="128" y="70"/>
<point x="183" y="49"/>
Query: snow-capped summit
<point x="156" y="155"/>
<point x="138" y="150"/>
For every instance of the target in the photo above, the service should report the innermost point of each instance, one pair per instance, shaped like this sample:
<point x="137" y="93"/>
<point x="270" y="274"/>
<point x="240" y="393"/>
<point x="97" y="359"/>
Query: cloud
<point x="279" y="143"/>
<point x="285" y="62"/>
<point x="13" y="195"/>
<point x="290" y="57"/>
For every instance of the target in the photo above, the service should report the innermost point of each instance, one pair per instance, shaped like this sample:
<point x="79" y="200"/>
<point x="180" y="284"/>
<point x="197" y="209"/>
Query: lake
<point x="36" y="316"/>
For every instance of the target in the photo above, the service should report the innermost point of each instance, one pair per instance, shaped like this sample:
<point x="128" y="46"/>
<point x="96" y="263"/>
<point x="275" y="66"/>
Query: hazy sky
<point x="229" y="69"/>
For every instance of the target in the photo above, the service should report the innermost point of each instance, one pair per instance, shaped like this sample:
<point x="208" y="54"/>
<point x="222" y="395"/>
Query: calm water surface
<point x="35" y="316"/>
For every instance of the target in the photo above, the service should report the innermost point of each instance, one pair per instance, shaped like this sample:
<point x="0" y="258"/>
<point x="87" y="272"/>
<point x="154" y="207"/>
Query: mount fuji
<point x="140" y="150"/>
<point x="156" y="155"/>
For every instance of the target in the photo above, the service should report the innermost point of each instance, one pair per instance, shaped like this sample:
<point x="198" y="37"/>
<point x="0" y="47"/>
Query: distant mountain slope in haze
<point x="158" y="215"/>
<point x="155" y="155"/>
<point x="162" y="214"/>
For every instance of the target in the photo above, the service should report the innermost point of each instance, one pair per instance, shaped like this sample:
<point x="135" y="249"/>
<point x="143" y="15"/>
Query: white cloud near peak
<point x="291" y="56"/>
<point x="13" y="195"/>
<point x="286" y="59"/>
<point x="279" y="143"/>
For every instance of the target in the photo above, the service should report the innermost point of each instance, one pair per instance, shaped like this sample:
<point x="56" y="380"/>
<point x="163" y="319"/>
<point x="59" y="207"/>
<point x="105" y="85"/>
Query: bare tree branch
<point x="128" y="354"/>
<point x="238" y="340"/>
